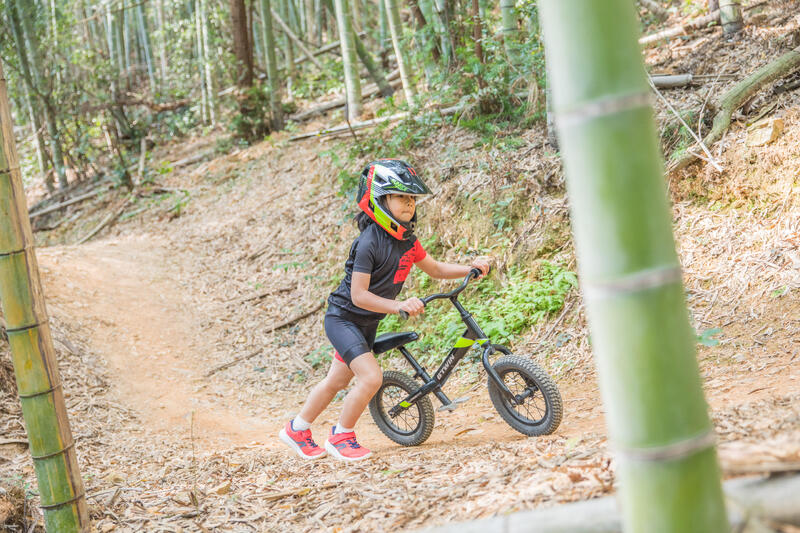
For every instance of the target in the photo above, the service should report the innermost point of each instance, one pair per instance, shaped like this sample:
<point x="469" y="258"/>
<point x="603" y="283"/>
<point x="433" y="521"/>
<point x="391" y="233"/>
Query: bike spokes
<point x="533" y="407"/>
<point x="407" y="420"/>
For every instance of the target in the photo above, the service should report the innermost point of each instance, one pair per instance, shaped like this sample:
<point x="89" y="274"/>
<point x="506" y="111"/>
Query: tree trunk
<point x="319" y="11"/>
<point x="448" y="44"/>
<point x="241" y="44"/>
<point x="162" y="40"/>
<point x="713" y="5"/>
<point x="730" y="16"/>
<point x="658" y="422"/>
<point x="352" y="81"/>
<point x="311" y="27"/>
<point x="27" y="15"/>
<point x="208" y="61"/>
<point x="36" y="123"/>
<point x="423" y="25"/>
<point x="396" y="29"/>
<point x="374" y="71"/>
<point x="383" y="32"/>
<point x="50" y="439"/>
<point x="201" y="64"/>
<point x="477" y="39"/>
<point x="288" y="48"/>
<point x="509" y="31"/>
<point x="145" y="39"/>
<point x="268" y="37"/>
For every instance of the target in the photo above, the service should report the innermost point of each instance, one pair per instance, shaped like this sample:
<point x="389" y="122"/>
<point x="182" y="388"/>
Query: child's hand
<point x="482" y="263"/>
<point x="412" y="306"/>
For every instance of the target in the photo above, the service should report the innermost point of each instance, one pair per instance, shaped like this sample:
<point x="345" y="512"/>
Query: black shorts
<point x="349" y="338"/>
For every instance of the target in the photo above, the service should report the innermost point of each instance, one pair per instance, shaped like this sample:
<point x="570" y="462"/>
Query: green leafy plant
<point x="503" y="310"/>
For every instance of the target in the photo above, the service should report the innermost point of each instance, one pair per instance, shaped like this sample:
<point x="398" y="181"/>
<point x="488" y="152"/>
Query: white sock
<point x="298" y="424"/>
<point x="341" y="429"/>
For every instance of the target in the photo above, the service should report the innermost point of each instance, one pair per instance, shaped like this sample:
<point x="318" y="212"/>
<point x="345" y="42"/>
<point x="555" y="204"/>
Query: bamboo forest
<point x="442" y="266"/>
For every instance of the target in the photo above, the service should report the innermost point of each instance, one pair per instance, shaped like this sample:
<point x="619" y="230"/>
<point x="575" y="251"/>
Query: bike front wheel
<point x="541" y="409"/>
<point x="409" y="427"/>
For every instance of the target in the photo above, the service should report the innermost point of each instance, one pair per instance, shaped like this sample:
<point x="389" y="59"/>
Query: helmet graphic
<point x="389" y="176"/>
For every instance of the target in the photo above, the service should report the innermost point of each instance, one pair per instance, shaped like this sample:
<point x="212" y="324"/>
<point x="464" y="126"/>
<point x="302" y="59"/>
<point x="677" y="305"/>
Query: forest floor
<point x="145" y="315"/>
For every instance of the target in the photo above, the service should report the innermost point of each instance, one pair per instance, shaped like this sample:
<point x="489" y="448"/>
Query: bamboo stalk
<point x="38" y="383"/>
<point x="268" y="37"/>
<point x="352" y="81"/>
<point x="396" y="30"/>
<point x="644" y="346"/>
<point x="296" y="39"/>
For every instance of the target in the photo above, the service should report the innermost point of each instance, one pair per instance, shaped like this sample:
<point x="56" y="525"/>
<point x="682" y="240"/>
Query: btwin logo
<point x="446" y="366"/>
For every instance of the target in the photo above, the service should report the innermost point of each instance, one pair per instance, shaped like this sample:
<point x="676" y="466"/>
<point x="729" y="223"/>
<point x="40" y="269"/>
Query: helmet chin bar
<point x="381" y="216"/>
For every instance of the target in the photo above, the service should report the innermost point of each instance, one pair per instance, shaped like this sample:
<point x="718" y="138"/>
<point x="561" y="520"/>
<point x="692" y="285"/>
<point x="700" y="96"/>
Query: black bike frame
<point x="473" y="335"/>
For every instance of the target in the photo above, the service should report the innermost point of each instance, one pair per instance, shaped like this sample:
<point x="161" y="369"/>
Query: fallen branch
<point x="66" y="203"/>
<point x="106" y="221"/>
<point x="366" y="124"/>
<point x="192" y="159"/>
<point x="340" y="102"/>
<point x="233" y="362"/>
<point x="741" y="93"/>
<point x="297" y="318"/>
<point x="711" y="159"/>
<point x="302" y="491"/>
<point x="4" y="442"/>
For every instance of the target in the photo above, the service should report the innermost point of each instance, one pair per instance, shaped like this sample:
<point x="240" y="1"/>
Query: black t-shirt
<point x="388" y="262"/>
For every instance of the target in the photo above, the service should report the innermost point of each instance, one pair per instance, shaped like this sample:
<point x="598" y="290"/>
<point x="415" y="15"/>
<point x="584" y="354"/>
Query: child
<point x="379" y="262"/>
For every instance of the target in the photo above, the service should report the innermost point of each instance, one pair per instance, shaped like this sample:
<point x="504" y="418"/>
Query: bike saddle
<point x="387" y="341"/>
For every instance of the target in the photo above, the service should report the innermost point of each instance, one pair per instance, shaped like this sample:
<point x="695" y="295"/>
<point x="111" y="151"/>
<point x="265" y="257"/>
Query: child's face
<point x="402" y="206"/>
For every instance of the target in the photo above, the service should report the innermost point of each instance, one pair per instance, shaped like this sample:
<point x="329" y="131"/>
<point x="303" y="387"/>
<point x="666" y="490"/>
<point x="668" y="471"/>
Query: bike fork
<point x="489" y="350"/>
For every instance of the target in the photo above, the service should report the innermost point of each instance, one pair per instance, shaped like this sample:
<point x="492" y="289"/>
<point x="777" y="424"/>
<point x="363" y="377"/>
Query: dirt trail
<point x="126" y="293"/>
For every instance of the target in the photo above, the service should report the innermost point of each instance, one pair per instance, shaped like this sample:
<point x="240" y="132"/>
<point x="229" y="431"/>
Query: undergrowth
<point x="505" y="309"/>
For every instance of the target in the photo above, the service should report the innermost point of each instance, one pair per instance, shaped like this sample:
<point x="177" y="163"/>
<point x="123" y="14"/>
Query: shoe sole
<point x="296" y="449"/>
<point x="333" y="452"/>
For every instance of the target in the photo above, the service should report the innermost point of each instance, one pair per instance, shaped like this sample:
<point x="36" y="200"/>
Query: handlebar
<point x="474" y="273"/>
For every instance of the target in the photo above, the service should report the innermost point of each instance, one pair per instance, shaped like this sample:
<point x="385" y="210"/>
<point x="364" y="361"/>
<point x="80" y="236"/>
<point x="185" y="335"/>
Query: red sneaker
<point x="301" y="442"/>
<point x="343" y="446"/>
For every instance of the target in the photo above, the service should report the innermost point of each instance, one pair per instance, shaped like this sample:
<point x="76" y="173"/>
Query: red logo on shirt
<point x="404" y="266"/>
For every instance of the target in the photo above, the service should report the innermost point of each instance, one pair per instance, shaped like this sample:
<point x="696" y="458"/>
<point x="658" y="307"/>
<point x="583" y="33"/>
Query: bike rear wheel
<point x="410" y="427"/>
<point x="541" y="410"/>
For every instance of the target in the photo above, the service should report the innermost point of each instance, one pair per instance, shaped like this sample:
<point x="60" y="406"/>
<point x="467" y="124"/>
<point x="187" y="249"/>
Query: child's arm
<point x="439" y="270"/>
<point x="359" y="293"/>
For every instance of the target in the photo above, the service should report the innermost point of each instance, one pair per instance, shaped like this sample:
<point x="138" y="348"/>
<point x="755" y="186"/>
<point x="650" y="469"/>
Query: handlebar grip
<point x="475" y="272"/>
<point x="403" y="314"/>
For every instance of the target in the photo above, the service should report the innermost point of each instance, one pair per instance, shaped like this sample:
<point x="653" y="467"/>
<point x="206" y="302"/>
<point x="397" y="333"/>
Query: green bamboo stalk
<point x="144" y="37"/>
<point x="396" y="29"/>
<point x="658" y="420"/>
<point x="26" y="12"/>
<point x="352" y="80"/>
<point x="509" y="30"/>
<point x="730" y="16"/>
<point x="39" y="385"/>
<point x="287" y="43"/>
<point x="363" y="54"/>
<point x="268" y="38"/>
<point x="24" y="67"/>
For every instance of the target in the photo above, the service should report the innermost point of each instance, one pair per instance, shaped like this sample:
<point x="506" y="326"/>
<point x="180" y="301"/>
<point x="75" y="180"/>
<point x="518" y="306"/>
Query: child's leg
<point x="369" y="378"/>
<point x="320" y="396"/>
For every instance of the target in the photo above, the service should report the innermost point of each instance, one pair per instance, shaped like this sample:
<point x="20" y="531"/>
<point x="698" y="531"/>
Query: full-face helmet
<point x="381" y="178"/>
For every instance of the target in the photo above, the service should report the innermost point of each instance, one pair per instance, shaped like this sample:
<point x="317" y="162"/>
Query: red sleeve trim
<point x="419" y="251"/>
